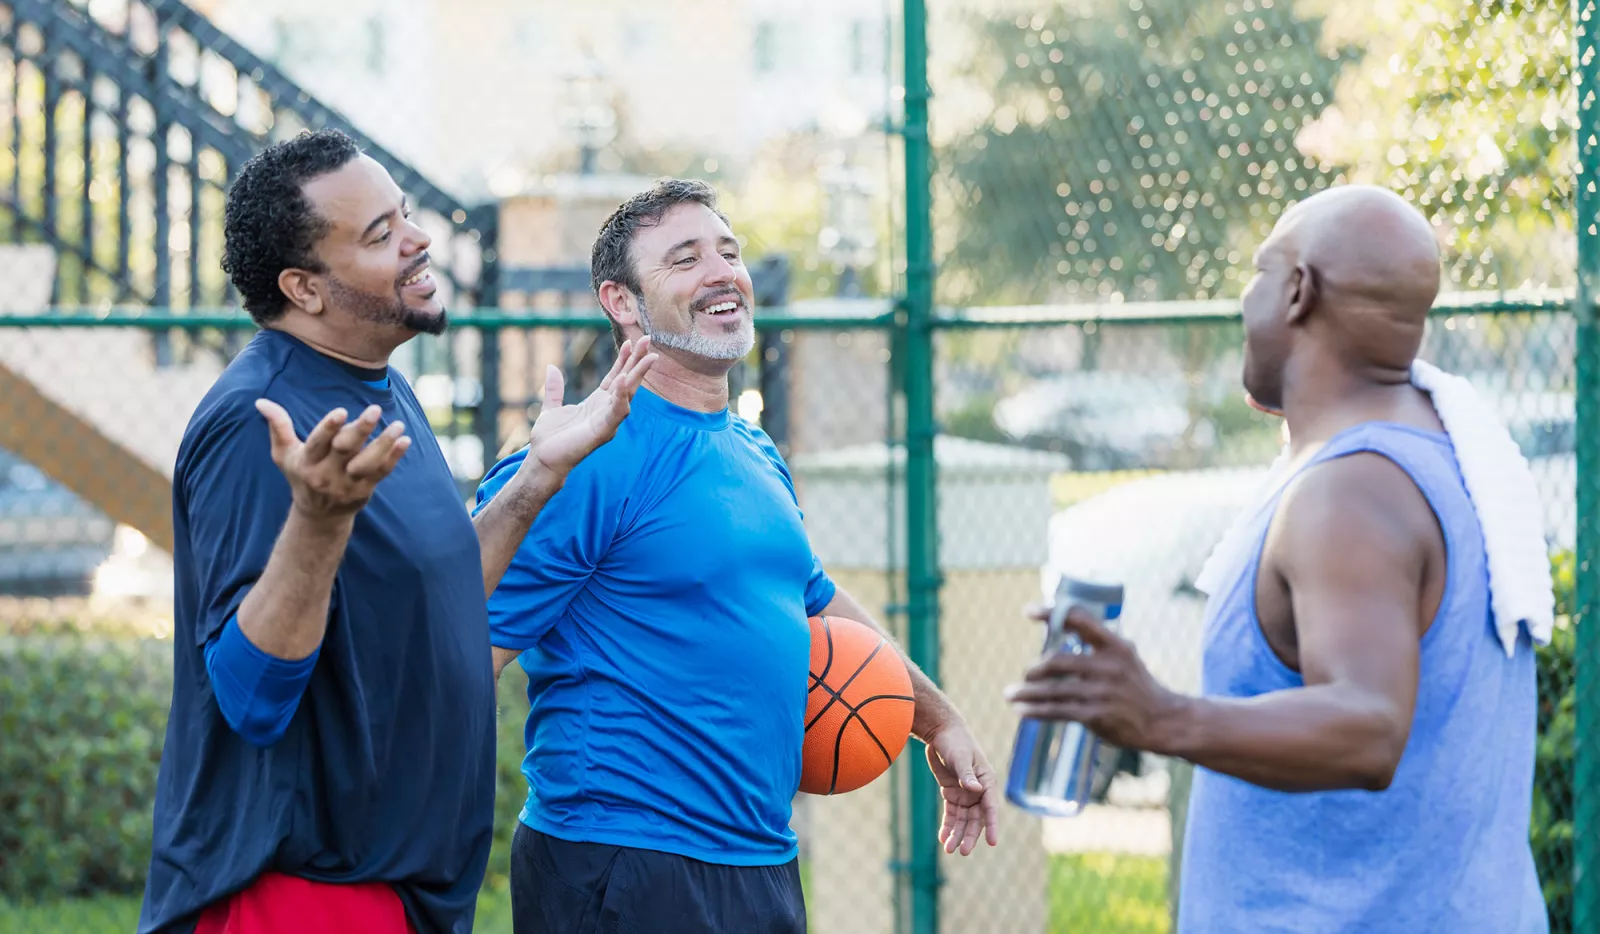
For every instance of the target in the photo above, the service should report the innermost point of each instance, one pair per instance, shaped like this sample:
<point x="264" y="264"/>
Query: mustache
<point x="411" y="270"/>
<point x="717" y="297"/>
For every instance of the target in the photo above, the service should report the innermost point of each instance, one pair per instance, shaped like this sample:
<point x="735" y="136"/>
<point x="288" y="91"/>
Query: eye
<point x="686" y="261"/>
<point x="382" y="238"/>
<point x="731" y="257"/>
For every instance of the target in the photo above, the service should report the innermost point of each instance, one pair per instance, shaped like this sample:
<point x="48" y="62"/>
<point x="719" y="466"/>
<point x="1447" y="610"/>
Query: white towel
<point x="1502" y="489"/>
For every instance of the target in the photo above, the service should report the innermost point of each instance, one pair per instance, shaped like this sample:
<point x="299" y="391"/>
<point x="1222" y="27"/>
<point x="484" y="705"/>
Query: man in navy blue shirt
<point x="329" y="760"/>
<point x="660" y="610"/>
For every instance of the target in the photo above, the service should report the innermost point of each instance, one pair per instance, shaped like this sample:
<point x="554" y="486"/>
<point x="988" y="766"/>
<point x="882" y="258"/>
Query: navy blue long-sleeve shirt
<point x="384" y="771"/>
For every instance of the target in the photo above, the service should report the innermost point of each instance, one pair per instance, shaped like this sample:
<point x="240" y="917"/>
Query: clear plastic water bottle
<point x="1053" y="762"/>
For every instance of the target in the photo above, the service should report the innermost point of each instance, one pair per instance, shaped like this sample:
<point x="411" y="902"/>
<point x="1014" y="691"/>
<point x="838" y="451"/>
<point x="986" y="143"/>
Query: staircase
<point x="128" y="123"/>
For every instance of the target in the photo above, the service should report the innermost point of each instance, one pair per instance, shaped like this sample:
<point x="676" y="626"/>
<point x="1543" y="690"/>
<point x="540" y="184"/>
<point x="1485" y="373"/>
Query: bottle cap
<point x="1090" y="591"/>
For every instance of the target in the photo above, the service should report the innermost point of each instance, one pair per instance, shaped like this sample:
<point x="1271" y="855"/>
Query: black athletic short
<point x="559" y="887"/>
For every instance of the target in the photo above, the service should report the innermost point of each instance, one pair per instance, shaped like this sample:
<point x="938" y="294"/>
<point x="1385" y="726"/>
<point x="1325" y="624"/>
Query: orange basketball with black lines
<point x="858" y="707"/>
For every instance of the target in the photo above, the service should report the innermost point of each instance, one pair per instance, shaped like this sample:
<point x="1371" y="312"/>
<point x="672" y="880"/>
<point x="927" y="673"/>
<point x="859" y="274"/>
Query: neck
<point x="372" y="352"/>
<point x="686" y="387"/>
<point x="1322" y="398"/>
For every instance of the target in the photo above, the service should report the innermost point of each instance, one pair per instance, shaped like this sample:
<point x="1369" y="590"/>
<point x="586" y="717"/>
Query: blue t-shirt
<point x="385" y="772"/>
<point x="661" y="597"/>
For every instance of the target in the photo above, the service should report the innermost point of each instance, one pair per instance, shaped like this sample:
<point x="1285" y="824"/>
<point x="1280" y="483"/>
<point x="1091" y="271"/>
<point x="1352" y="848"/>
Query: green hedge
<point x="83" y="722"/>
<point x="83" y="719"/>
<point x="1551" y="831"/>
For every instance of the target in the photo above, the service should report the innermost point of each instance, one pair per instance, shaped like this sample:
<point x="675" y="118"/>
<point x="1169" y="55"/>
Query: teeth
<point x="725" y="306"/>
<point x="413" y="280"/>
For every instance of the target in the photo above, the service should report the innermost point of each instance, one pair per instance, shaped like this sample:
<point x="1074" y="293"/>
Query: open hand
<point x="969" y="787"/>
<point x="1108" y="689"/>
<point x="333" y="472"/>
<point x="564" y="435"/>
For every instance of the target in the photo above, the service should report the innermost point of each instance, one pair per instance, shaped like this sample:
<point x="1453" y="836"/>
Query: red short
<point x="277" y="903"/>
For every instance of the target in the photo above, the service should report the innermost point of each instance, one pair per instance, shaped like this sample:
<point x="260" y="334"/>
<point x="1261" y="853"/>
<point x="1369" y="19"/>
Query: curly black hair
<point x="612" y="256"/>
<point x="269" y="226"/>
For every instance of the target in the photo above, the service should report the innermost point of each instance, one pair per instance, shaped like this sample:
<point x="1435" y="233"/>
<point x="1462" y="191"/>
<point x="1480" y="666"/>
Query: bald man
<point x="1364" y="744"/>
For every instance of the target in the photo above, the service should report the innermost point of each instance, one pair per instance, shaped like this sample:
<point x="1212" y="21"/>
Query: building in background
<point x="482" y="94"/>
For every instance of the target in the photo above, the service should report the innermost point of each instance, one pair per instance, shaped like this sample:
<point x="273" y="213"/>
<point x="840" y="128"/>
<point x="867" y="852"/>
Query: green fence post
<point x="922" y="528"/>
<point x="1586" y="765"/>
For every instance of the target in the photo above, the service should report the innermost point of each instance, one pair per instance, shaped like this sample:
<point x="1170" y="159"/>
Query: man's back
<point x="1445" y="846"/>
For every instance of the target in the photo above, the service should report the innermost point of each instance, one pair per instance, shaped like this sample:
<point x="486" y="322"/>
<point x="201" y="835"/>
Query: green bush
<point x="511" y="789"/>
<point x="83" y="720"/>
<point x="1551" y="828"/>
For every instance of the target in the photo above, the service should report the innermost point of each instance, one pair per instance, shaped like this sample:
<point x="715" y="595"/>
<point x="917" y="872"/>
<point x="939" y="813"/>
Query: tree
<point x="1468" y="110"/>
<point x="1132" y="151"/>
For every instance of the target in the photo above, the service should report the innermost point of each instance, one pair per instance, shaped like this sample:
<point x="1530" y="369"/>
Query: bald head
<point x="1352" y="273"/>
<point x="1368" y="247"/>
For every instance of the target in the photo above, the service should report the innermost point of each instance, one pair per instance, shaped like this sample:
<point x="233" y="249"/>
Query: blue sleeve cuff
<point x="819" y="593"/>
<point x="258" y="693"/>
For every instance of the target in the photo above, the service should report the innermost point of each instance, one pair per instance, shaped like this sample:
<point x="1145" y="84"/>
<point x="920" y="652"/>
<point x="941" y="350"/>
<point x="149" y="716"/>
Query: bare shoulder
<point x="1359" y="508"/>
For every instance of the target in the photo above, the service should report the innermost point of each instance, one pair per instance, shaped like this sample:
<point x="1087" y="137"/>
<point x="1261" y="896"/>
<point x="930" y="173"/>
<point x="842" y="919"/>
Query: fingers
<point x="1088" y="629"/>
<point x="618" y="365"/>
<point x="555" y="388"/>
<point x="280" y="430"/>
<point x="1056" y="711"/>
<point x="641" y="363"/>
<point x="958" y="828"/>
<point x="1067" y="665"/>
<point x="991" y="814"/>
<point x="320" y="441"/>
<point x="1055" y="690"/>
<point x="353" y="437"/>
<point x="378" y="458"/>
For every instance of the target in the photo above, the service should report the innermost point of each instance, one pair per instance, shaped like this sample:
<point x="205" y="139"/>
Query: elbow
<point x="259" y="727"/>
<point x="1382" y="750"/>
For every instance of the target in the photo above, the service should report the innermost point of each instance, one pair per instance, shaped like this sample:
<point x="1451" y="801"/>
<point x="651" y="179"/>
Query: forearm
<point x="1319" y="738"/>
<point x="933" y="708"/>
<point x="502" y="658"/>
<point x="286" y="613"/>
<point x="505" y="521"/>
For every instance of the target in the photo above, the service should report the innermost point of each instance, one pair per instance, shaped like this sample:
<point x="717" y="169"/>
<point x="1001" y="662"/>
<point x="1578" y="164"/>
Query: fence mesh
<point x="1114" y="152"/>
<point x="1087" y="153"/>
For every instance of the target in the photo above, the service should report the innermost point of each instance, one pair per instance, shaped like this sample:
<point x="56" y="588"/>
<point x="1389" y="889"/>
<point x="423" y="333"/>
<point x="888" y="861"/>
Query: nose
<point x="416" y="239"/>
<point x="720" y="272"/>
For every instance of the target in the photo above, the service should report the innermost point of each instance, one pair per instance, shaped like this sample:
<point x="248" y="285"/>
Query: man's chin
<point x="428" y="319"/>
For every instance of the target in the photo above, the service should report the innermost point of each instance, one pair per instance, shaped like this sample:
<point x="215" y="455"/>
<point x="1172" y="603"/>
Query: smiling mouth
<point x="723" y="308"/>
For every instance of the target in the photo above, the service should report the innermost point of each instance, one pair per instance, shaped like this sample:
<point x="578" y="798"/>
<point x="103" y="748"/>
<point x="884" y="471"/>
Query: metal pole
<point x="922" y="528"/>
<point x="1586" y="742"/>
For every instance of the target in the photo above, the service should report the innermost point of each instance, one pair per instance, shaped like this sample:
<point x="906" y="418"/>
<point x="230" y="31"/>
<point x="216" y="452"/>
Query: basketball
<point x="858" y="707"/>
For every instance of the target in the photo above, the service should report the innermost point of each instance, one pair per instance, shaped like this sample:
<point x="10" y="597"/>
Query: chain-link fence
<point x="1101" y="173"/>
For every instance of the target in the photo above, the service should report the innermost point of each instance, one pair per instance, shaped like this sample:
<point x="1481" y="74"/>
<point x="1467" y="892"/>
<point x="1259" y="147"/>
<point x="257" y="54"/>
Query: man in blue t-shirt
<point x="329" y="757"/>
<point x="660" y="610"/>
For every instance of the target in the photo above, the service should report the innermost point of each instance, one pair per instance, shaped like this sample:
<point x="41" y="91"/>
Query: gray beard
<point x="735" y="346"/>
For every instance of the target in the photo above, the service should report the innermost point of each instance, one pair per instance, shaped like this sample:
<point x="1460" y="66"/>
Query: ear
<point x="1303" y="293"/>
<point x="620" y="305"/>
<point x="303" y="289"/>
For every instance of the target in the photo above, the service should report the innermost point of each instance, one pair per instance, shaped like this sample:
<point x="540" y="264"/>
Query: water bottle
<point x="1053" y="762"/>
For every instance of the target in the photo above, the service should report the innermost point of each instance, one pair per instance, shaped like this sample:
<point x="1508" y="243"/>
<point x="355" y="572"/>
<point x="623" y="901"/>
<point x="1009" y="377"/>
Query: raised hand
<point x="563" y="435"/>
<point x="333" y="472"/>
